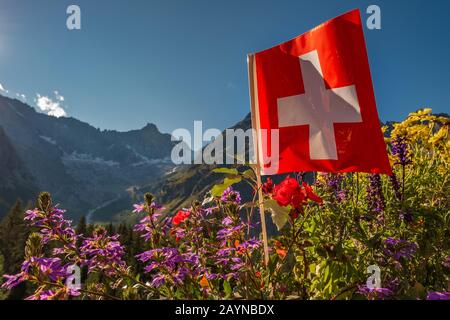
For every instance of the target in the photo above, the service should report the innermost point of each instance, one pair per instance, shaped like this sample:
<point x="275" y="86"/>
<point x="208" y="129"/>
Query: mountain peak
<point x="150" y="127"/>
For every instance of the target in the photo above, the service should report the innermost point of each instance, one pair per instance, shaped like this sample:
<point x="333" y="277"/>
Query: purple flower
<point x="333" y="183"/>
<point x="170" y="265"/>
<point x="447" y="262"/>
<point x="227" y="221"/>
<point x="138" y="208"/>
<point x="375" y="197"/>
<point x="399" y="148"/>
<point x="341" y="195"/>
<point x="251" y="244"/>
<point x="397" y="249"/>
<point x="50" y="269"/>
<point x="43" y="295"/>
<point x="48" y="266"/>
<point x="150" y="223"/>
<point x="147" y="225"/>
<point x="374" y="293"/>
<point x="231" y="196"/>
<point x="158" y="280"/>
<point x="13" y="280"/>
<point x="407" y="216"/>
<point x="32" y="215"/>
<point x="395" y="186"/>
<point x="53" y="226"/>
<point x="179" y="276"/>
<point x="103" y="252"/>
<point x="438" y="296"/>
<point x="210" y="210"/>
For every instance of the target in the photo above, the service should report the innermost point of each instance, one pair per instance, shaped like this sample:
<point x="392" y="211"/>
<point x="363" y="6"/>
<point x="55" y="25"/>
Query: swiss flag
<point x="317" y="90"/>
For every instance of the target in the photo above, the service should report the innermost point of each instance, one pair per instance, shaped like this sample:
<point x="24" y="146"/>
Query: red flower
<point x="289" y="192"/>
<point x="268" y="186"/>
<point x="279" y="249"/>
<point x="180" y="217"/>
<point x="310" y="194"/>
<point x="294" y="213"/>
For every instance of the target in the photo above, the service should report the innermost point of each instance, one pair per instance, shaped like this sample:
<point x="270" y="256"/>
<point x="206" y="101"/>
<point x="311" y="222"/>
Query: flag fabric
<point x="317" y="91"/>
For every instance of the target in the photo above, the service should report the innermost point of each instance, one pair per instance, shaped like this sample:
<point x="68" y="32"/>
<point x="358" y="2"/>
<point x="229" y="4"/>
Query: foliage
<point x="13" y="234"/>
<point x="328" y="235"/>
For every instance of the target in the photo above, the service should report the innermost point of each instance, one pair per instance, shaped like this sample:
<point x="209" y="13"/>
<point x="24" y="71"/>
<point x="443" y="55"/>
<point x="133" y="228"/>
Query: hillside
<point x="15" y="179"/>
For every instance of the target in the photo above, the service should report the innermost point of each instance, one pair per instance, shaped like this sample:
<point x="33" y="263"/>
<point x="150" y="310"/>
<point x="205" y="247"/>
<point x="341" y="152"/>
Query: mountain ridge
<point x="80" y="165"/>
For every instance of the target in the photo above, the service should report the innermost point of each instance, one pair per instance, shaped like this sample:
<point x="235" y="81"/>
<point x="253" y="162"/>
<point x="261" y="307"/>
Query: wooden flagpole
<point x="256" y="135"/>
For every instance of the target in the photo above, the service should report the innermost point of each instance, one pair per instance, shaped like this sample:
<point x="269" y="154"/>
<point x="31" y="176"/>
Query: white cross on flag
<point x="317" y="91"/>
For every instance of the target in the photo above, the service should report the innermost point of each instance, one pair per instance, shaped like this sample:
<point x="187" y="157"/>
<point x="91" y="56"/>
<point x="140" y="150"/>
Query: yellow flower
<point x="442" y="134"/>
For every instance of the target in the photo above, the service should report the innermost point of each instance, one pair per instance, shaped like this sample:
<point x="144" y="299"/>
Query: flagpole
<point x="256" y="134"/>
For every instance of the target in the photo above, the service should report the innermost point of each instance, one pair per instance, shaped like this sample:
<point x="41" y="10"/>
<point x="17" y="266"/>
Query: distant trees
<point x="13" y="235"/>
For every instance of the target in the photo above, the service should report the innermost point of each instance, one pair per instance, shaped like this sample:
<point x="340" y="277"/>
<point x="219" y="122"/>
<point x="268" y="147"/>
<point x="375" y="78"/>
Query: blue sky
<point x="171" y="62"/>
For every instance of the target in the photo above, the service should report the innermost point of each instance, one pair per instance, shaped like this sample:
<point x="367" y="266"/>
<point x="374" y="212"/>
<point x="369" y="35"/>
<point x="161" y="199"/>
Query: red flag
<point x="317" y="90"/>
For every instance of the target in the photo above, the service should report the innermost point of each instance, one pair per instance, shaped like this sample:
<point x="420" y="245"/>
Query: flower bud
<point x="148" y="197"/>
<point x="33" y="246"/>
<point x="45" y="201"/>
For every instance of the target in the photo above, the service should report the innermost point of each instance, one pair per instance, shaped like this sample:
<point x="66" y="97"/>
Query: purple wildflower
<point x="227" y="221"/>
<point x="138" y="208"/>
<point x="147" y="225"/>
<point x="375" y="197"/>
<point x="334" y="184"/>
<point x="103" y="252"/>
<point x="171" y="265"/>
<point x="397" y="249"/>
<point x="399" y="148"/>
<point x="13" y="280"/>
<point x="438" y="296"/>
<point x="50" y="269"/>
<point x="53" y="226"/>
<point x="43" y="295"/>
<point x="407" y="216"/>
<point x="395" y="186"/>
<point x="231" y="196"/>
<point x="374" y="293"/>
<point x="447" y="262"/>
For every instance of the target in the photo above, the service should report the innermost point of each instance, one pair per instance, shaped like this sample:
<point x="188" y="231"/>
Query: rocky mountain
<point x="82" y="166"/>
<point x="178" y="188"/>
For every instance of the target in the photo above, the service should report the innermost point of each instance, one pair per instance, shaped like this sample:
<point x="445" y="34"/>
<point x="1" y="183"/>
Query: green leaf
<point x="250" y="174"/>
<point x="326" y="273"/>
<point x="312" y="268"/>
<point x="280" y="215"/>
<point x="218" y="189"/>
<point x="226" y="171"/>
<point x="227" y="288"/>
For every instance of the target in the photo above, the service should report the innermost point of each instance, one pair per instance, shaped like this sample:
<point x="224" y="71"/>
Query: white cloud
<point x="21" y="96"/>
<point x="59" y="97"/>
<point x="2" y="89"/>
<point x="51" y="107"/>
